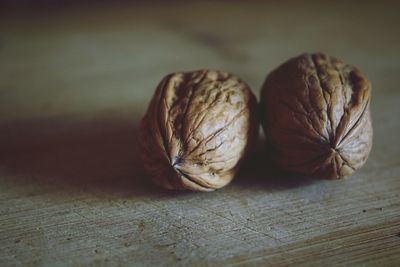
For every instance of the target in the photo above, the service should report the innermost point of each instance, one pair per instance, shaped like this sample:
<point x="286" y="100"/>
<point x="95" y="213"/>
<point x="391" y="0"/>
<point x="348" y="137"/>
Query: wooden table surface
<point x="74" y="83"/>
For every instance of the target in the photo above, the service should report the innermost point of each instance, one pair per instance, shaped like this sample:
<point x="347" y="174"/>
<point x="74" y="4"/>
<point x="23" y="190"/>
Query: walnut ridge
<point x="197" y="129"/>
<point x="315" y="114"/>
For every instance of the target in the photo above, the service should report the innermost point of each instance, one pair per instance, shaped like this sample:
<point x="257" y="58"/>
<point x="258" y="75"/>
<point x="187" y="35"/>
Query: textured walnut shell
<point x="315" y="113"/>
<point x="197" y="129"/>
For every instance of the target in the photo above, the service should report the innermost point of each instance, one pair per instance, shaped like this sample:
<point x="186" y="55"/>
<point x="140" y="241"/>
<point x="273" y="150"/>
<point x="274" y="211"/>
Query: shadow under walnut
<point x="68" y="154"/>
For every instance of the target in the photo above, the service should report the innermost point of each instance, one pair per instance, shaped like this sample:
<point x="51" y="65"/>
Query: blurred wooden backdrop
<point x="75" y="78"/>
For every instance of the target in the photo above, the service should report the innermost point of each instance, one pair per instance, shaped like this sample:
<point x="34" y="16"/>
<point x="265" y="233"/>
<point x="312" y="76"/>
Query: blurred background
<point x="79" y="58"/>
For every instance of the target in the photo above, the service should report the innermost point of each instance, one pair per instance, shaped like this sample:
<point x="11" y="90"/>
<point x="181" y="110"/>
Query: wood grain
<point x="74" y="83"/>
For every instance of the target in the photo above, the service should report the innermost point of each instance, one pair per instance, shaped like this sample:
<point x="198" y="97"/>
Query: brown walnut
<point x="197" y="129"/>
<point x="315" y="113"/>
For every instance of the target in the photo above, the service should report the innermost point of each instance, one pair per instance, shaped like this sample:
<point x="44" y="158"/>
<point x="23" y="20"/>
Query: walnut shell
<point x="197" y="129"/>
<point x="315" y="113"/>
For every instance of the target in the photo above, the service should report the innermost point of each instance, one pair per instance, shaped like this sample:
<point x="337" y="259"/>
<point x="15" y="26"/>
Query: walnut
<point x="315" y="113"/>
<point x="197" y="129"/>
